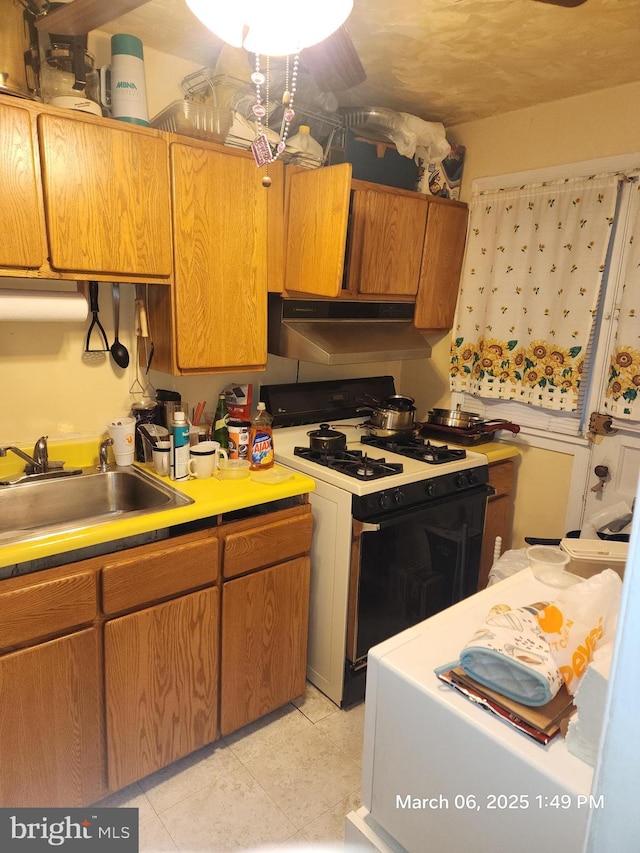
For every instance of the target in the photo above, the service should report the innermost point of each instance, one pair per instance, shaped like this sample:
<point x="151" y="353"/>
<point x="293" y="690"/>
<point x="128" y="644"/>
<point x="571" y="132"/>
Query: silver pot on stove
<point x="393" y="414"/>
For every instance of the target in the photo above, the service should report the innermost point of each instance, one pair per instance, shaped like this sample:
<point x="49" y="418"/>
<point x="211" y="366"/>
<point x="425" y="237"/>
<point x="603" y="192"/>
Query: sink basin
<point x="42" y="507"/>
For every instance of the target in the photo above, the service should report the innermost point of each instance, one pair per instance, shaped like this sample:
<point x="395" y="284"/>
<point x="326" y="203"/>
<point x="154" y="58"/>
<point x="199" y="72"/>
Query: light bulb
<point x="279" y="28"/>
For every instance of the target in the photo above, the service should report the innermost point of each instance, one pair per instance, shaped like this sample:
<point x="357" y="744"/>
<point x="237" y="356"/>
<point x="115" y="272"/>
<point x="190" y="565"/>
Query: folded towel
<point x="509" y="655"/>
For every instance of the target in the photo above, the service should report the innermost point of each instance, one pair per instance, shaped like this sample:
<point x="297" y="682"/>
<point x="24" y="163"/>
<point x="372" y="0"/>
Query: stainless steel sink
<point x="38" y="508"/>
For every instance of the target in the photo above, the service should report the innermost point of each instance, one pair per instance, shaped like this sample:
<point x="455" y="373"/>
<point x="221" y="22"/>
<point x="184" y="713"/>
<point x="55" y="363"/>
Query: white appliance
<point x="393" y="544"/>
<point x="473" y="782"/>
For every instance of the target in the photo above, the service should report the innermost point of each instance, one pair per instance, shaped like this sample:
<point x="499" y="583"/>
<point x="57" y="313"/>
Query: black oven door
<point x="409" y="565"/>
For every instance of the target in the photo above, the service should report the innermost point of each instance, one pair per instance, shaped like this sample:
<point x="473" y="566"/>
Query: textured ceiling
<point x="450" y="60"/>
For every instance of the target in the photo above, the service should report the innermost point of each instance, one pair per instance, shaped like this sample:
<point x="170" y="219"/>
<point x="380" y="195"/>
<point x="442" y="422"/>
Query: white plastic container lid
<point x="599" y="550"/>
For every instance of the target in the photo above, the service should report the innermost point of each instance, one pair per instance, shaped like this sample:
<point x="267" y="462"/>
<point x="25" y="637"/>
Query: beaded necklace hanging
<point x="263" y="152"/>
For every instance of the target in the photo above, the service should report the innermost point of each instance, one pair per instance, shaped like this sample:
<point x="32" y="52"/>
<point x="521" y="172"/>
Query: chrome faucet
<point x="36" y="464"/>
<point x="103" y="463"/>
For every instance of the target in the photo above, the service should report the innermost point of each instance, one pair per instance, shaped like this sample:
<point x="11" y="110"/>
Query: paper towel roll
<point x="43" y="306"/>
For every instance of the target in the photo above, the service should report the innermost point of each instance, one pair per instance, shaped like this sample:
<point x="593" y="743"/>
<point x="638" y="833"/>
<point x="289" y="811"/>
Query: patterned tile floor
<point x="288" y="780"/>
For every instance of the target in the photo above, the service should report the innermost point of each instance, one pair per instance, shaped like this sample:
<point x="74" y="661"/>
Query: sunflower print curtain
<point x="622" y="395"/>
<point x="532" y="274"/>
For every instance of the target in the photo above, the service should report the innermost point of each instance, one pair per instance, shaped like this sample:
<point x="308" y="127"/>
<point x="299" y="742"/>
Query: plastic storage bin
<point x="587" y="557"/>
<point x="196" y="120"/>
<point x="548" y="563"/>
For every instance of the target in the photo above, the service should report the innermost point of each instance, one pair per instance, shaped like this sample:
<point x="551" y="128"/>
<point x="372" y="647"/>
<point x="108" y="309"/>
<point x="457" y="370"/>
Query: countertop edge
<point x="211" y="498"/>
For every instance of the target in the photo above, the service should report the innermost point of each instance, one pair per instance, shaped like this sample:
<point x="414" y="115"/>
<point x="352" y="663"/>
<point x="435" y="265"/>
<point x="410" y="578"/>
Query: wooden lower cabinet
<point x="111" y="668"/>
<point x="264" y="641"/>
<point x="161" y="676"/>
<point x="51" y="723"/>
<point x="499" y="517"/>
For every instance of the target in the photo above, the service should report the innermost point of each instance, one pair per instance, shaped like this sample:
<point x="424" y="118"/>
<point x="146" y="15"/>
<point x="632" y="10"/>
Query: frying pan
<point x="453" y="418"/>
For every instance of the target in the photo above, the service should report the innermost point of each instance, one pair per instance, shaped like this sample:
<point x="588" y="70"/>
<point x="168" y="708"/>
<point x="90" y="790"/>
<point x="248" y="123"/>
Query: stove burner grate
<point x="352" y="463"/>
<point x="415" y="447"/>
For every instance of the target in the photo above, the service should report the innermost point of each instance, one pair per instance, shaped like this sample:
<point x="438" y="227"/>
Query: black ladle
<point x="119" y="352"/>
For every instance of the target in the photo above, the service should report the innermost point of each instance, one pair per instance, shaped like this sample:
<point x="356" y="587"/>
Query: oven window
<point x="415" y="567"/>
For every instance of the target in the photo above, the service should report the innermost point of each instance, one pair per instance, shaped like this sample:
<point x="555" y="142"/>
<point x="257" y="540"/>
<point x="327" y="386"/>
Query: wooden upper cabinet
<point x="22" y="245"/>
<point x="317" y="213"/>
<point x="386" y="237"/>
<point x="221" y="259"/>
<point x="442" y="257"/>
<point x="106" y="195"/>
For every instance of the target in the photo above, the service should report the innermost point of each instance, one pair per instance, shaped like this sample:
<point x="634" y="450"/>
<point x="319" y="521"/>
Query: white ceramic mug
<point x="204" y="459"/>
<point x="161" y="452"/>
<point x="122" y="432"/>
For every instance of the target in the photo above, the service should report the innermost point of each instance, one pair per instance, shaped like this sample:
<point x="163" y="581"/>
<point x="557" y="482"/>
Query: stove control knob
<point x="473" y="478"/>
<point x="399" y="498"/>
<point x="430" y="489"/>
<point x="385" y="501"/>
<point x="461" y="481"/>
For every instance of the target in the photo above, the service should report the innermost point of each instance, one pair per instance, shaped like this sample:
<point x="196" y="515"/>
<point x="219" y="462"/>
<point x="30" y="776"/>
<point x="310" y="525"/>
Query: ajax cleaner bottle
<point x="261" y="440"/>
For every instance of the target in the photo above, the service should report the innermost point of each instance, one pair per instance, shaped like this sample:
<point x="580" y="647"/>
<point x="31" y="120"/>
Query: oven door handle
<point x="400" y="516"/>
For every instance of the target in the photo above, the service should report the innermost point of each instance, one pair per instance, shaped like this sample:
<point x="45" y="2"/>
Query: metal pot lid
<point x="325" y="431"/>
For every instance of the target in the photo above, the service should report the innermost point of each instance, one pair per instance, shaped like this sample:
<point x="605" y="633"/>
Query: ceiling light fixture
<point x="276" y="28"/>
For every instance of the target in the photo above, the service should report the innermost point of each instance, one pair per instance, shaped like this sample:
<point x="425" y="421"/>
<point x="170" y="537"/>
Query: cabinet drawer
<point x="266" y="545"/>
<point x="145" y="577"/>
<point x="501" y="478"/>
<point x="52" y="606"/>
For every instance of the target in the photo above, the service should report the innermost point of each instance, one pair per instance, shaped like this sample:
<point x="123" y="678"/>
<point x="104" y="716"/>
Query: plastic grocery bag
<point x="414" y="137"/>
<point x="582" y="618"/>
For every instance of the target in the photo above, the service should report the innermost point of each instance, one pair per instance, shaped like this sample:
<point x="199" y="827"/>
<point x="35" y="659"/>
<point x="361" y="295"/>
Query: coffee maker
<point x="67" y="74"/>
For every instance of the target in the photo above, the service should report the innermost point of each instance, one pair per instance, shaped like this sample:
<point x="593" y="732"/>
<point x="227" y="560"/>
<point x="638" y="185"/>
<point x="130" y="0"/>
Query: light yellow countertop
<point x="496" y="451"/>
<point x="211" y="497"/>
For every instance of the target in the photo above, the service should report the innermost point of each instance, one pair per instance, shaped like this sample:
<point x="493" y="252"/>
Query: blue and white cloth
<point x="509" y="654"/>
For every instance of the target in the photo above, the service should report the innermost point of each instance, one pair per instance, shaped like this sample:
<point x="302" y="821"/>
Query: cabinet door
<point x="220" y="229"/>
<point x="22" y="244"/>
<point x="441" y="265"/>
<point x="264" y="642"/>
<point x="160" y="685"/>
<point x="51" y="724"/>
<point x="386" y="243"/>
<point x="106" y="194"/>
<point x="317" y="212"/>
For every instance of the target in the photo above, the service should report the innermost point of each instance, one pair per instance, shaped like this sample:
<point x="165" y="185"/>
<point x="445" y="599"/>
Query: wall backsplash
<point x="52" y="387"/>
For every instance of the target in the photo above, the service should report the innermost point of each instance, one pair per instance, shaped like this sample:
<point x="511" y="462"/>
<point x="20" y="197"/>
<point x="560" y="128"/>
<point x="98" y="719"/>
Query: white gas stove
<point x="397" y="527"/>
<point x="321" y="466"/>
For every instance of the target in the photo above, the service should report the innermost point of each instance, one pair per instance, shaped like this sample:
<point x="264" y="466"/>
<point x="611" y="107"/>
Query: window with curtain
<point x="534" y="267"/>
<point x="622" y="393"/>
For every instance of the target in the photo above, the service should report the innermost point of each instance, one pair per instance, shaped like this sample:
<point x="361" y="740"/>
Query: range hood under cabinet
<point x="332" y="332"/>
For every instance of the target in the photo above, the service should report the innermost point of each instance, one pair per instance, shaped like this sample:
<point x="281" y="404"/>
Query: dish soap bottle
<point x="220" y="428"/>
<point x="261" y="440"/>
<point x="180" y="453"/>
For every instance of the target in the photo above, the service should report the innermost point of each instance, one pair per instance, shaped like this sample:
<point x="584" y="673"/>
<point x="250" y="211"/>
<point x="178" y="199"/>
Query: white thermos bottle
<point x="128" y="86"/>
